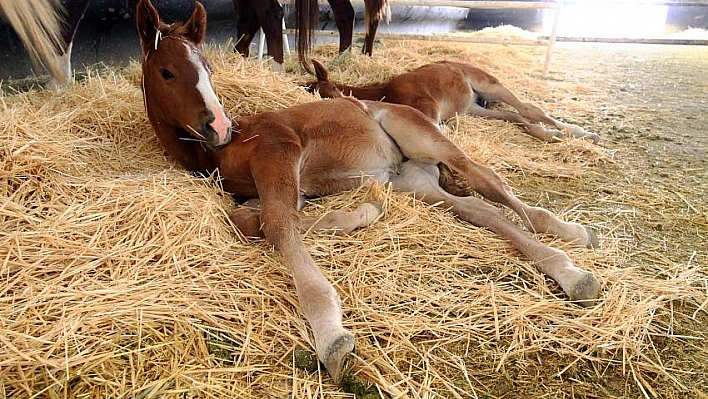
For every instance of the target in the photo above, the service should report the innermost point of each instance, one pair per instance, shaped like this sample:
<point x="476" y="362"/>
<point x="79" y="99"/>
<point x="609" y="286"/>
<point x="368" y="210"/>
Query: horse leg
<point x="533" y="129"/>
<point x="344" y="222"/>
<point x="248" y="220"/>
<point x="271" y="20"/>
<point x="578" y="284"/>
<point x="419" y="139"/>
<point x="75" y="10"/>
<point x="247" y="24"/>
<point x="492" y="90"/>
<point x="343" y="15"/>
<point x="373" y="11"/>
<point x="275" y="175"/>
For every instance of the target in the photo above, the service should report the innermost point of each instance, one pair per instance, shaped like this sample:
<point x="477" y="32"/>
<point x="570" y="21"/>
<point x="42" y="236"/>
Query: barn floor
<point x="107" y="312"/>
<point x="649" y="102"/>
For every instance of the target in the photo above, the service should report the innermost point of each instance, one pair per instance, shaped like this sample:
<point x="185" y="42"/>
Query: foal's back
<point x="439" y="90"/>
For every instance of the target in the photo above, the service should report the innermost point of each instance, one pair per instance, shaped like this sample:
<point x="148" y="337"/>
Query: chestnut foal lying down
<point x="443" y="89"/>
<point x="322" y="148"/>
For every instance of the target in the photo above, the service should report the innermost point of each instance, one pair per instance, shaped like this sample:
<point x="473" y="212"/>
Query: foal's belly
<point x="456" y="102"/>
<point x="345" y="160"/>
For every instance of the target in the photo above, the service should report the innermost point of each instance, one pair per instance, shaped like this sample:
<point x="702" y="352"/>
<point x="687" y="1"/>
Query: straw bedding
<point x="122" y="276"/>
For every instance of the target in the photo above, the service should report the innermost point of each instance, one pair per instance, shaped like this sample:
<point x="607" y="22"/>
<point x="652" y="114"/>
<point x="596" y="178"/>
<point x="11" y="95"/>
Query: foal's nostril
<point x="227" y="138"/>
<point x="208" y="117"/>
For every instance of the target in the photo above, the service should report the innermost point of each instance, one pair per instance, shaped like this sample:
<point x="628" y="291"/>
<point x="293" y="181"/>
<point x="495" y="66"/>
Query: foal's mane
<point x="173" y="30"/>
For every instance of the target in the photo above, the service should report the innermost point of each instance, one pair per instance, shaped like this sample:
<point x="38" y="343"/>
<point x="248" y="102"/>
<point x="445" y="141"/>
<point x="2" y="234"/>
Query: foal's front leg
<point x="274" y="174"/>
<point x="248" y="220"/>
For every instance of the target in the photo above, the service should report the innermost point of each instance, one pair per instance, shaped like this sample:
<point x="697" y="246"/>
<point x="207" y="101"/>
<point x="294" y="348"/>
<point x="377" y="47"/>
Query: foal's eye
<point x="167" y="75"/>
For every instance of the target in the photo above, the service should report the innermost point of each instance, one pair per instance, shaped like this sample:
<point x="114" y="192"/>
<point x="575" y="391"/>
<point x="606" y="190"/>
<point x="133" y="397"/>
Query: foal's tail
<point x="307" y="14"/>
<point x="38" y="23"/>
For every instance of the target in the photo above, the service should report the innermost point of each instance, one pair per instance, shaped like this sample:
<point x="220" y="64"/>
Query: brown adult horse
<point x="322" y="148"/>
<point x="265" y="13"/>
<point x="306" y="14"/>
<point x="444" y="89"/>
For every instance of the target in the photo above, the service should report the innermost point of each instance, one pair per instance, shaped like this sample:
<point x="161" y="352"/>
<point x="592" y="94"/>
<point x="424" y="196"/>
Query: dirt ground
<point x="649" y="103"/>
<point x="651" y="108"/>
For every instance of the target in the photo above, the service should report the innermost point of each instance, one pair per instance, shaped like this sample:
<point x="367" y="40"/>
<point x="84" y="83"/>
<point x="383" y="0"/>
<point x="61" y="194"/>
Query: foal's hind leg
<point x="578" y="284"/>
<point x="419" y="139"/>
<point x="533" y="129"/>
<point x="533" y="115"/>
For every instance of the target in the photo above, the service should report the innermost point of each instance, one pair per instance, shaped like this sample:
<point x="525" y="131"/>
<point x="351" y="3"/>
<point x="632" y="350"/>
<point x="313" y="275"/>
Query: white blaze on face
<point x="222" y="123"/>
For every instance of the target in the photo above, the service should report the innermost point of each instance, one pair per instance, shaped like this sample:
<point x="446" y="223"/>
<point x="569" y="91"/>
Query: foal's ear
<point x="148" y="22"/>
<point x="321" y="72"/>
<point x="195" y="27"/>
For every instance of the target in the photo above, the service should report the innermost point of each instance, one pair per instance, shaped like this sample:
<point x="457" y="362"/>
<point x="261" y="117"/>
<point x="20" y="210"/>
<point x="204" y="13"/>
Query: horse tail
<point x="38" y="24"/>
<point x="373" y="13"/>
<point x="306" y="18"/>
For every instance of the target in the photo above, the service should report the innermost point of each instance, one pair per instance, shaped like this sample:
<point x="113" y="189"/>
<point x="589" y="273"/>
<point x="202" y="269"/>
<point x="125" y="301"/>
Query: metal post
<point x="552" y="38"/>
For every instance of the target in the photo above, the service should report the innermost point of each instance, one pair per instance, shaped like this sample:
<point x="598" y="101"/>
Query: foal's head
<point x="176" y="77"/>
<point x="323" y="85"/>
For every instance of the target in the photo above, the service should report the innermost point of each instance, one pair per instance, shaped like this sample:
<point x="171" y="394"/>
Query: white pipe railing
<point x="547" y="41"/>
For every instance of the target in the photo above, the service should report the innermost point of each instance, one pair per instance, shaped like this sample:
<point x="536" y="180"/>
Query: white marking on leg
<point x="64" y="61"/>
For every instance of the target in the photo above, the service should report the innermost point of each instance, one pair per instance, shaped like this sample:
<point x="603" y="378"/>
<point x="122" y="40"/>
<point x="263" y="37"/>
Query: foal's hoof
<point x="592" y="137"/>
<point x="336" y="355"/>
<point x="585" y="291"/>
<point x="580" y="133"/>
<point x="369" y="212"/>
<point x="593" y="241"/>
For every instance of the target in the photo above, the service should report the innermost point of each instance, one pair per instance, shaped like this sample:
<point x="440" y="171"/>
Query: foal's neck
<point x="189" y="152"/>
<point x="374" y="92"/>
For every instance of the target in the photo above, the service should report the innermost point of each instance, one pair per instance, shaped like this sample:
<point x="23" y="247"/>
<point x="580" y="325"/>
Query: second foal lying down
<point x="443" y="89"/>
<point x="322" y="148"/>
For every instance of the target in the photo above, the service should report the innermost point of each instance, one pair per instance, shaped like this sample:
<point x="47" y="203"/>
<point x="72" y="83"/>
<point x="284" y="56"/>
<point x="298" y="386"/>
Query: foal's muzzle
<point x="218" y="129"/>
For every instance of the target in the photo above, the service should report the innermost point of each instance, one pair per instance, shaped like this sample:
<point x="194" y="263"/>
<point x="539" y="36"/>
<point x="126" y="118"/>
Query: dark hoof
<point x="586" y="291"/>
<point x="593" y="241"/>
<point x="336" y="356"/>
